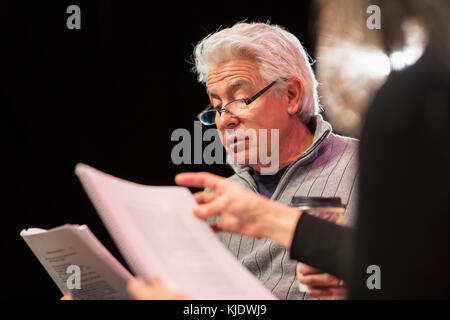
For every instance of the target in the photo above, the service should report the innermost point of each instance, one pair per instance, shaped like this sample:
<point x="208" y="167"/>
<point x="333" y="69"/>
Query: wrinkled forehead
<point x="232" y="74"/>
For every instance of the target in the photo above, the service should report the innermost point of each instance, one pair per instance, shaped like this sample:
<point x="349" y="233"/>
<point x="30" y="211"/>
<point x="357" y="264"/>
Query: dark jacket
<point x="403" y="224"/>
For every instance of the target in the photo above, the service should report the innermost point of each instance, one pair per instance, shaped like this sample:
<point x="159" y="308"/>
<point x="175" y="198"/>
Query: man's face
<point x="240" y="79"/>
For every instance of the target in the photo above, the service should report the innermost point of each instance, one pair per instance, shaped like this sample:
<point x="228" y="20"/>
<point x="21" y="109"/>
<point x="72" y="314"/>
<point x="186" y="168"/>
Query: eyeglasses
<point x="235" y="107"/>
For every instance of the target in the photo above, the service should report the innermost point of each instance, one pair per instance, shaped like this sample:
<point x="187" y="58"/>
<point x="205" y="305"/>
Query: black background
<point x="109" y="95"/>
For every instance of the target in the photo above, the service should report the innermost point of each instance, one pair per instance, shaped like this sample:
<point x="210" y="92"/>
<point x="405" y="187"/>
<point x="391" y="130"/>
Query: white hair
<point x="277" y="52"/>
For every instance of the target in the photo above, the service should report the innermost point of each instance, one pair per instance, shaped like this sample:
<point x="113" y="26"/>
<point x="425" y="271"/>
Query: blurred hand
<point x="322" y="285"/>
<point x="241" y="210"/>
<point x="154" y="290"/>
<point x="141" y="290"/>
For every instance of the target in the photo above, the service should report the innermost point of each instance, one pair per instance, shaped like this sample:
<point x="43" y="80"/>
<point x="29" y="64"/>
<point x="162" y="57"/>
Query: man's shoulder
<point x="337" y="141"/>
<point x="346" y="139"/>
<point x="337" y="148"/>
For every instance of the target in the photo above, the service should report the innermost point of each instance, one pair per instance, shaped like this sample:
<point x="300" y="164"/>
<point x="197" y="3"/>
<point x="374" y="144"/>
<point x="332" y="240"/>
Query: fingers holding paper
<point x="241" y="210"/>
<point x="139" y="289"/>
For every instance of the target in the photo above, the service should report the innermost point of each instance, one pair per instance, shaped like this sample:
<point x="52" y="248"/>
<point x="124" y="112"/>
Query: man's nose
<point x="227" y="120"/>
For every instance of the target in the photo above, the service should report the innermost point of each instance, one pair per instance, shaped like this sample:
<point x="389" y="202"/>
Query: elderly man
<point x="258" y="78"/>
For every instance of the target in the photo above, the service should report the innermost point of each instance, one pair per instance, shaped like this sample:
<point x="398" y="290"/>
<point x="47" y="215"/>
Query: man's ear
<point x="295" y="94"/>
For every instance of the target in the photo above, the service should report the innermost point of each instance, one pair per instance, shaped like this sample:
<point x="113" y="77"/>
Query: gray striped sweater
<point x="327" y="169"/>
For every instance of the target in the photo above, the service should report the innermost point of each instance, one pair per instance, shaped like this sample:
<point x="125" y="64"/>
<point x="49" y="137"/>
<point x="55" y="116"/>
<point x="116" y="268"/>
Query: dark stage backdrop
<point x="109" y="95"/>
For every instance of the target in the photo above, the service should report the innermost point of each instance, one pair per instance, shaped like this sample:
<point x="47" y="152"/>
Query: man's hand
<point x="322" y="285"/>
<point x="241" y="210"/>
<point x="154" y="290"/>
<point x="141" y="290"/>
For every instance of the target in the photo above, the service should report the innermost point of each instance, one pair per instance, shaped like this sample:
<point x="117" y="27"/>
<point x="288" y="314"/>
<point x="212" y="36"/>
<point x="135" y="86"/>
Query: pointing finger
<point x="198" y="179"/>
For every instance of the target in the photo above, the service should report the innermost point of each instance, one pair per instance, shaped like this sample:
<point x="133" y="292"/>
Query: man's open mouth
<point x="236" y="143"/>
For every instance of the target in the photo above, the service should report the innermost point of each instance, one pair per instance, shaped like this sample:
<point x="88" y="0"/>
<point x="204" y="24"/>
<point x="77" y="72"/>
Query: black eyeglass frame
<point x="246" y="101"/>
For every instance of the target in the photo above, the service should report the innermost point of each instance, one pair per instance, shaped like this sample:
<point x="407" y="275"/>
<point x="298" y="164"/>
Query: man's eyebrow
<point x="231" y="87"/>
<point x="237" y="84"/>
<point x="212" y="94"/>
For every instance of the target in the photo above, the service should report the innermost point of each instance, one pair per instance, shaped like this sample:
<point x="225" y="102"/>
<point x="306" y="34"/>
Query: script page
<point x="159" y="236"/>
<point x="70" y="251"/>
